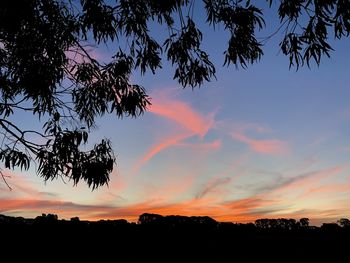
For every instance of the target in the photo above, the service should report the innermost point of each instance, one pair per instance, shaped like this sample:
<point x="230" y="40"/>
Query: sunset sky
<point x="262" y="142"/>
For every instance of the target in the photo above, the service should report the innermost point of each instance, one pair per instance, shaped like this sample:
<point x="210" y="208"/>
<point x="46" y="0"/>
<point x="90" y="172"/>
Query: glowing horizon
<point x="265" y="142"/>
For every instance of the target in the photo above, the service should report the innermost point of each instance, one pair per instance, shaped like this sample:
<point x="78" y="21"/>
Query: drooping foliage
<point x="46" y="67"/>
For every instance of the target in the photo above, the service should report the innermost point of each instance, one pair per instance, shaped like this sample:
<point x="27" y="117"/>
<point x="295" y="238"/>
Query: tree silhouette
<point x="304" y="222"/>
<point x="174" y="238"/>
<point x="46" y="68"/>
<point x="344" y="222"/>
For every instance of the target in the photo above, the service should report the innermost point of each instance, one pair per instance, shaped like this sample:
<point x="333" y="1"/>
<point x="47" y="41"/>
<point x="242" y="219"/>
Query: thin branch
<point x="31" y="146"/>
<point x="265" y="39"/>
<point x="4" y="179"/>
<point x="85" y="52"/>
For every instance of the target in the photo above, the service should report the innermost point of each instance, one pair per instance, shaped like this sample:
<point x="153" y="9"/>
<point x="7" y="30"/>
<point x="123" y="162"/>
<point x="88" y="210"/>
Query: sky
<point x="261" y="142"/>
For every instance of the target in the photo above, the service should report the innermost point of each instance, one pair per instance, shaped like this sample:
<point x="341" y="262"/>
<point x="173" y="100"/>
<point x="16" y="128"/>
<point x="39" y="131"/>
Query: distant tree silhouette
<point x="46" y="69"/>
<point x="344" y="222"/>
<point x="280" y="223"/>
<point x="75" y="219"/>
<point x="46" y="219"/>
<point x="262" y="223"/>
<point x="147" y="218"/>
<point x="171" y="238"/>
<point x="176" y="220"/>
<point x="304" y="222"/>
<point x="332" y="227"/>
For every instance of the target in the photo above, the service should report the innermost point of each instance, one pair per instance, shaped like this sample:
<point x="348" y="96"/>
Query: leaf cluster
<point x="47" y="69"/>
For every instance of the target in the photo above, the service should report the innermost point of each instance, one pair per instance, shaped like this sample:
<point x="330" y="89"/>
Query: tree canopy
<point x="46" y="69"/>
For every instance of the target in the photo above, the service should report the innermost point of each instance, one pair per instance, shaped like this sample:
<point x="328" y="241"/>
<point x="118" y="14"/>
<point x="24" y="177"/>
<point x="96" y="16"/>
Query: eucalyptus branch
<point x="4" y="179"/>
<point x="30" y="145"/>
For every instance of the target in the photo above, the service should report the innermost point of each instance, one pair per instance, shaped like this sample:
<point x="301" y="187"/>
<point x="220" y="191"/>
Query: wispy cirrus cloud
<point x="212" y="186"/>
<point x="242" y="127"/>
<point x="244" y="205"/>
<point x="15" y="204"/>
<point x="21" y="186"/>
<point x="34" y="207"/>
<point x="272" y="146"/>
<point x="242" y="132"/>
<point x="326" y="189"/>
<point x="181" y="113"/>
<point x="163" y="143"/>
<point x="305" y="180"/>
<point x="202" y="146"/>
<point x="187" y="122"/>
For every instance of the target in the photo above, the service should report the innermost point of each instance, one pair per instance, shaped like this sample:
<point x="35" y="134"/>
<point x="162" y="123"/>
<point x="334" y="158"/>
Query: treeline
<point x="156" y="220"/>
<point x="156" y="238"/>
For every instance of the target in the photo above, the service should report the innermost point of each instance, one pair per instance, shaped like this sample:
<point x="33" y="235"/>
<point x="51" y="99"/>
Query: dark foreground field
<point x="170" y="239"/>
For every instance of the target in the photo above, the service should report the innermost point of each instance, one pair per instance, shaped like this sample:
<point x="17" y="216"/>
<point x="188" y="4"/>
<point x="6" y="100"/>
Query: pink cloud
<point x="242" y="127"/>
<point x="263" y="146"/>
<point x="182" y="114"/>
<point x="214" y="145"/>
<point x="187" y="120"/>
<point x="35" y="207"/>
<point x="160" y="146"/>
<point x="80" y="57"/>
<point x="326" y="189"/>
<point x="20" y="185"/>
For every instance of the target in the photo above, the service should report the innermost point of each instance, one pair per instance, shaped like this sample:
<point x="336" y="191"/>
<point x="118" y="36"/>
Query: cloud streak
<point x="160" y="146"/>
<point x="205" y="146"/>
<point x="34" y="207"/>
<point x="326" y="189"/>
<point x="182" y="114"/>
<point x="263" y="146"/>
<point x="282" y="184"/>
<point x="213" y="185"/>
<point x="185" y="118"/>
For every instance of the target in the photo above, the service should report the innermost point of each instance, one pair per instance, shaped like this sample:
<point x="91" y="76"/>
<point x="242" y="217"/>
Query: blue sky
<point x="261" y="142"/>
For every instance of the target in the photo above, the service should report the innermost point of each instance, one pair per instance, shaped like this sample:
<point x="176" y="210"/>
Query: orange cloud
<point x="173" y="187"/>
<point x="241" y="210"/>
<point x="243" y="206"/>
<point x="193" y="207"/>
<point x="263" y="146"/>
